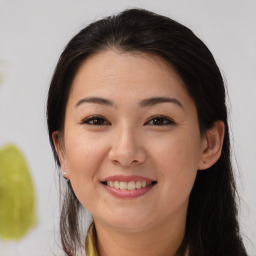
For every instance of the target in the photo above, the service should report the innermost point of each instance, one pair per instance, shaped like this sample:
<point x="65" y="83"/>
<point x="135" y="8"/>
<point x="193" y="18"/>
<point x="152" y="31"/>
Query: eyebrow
<point x="144" y="103"/>
<point x="96" y="100"/>
<point x="157" y="100"/>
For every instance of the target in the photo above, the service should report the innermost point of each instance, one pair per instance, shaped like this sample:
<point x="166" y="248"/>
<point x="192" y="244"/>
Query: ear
<point x="59" y="147"/>
<point x="212" y="145"/>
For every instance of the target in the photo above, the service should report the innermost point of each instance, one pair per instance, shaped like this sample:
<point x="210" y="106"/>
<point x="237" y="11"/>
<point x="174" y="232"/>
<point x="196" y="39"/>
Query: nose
<point x="126" y="148"/>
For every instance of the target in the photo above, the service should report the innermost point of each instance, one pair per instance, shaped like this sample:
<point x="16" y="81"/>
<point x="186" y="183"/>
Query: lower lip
<point x="127" y="193"/>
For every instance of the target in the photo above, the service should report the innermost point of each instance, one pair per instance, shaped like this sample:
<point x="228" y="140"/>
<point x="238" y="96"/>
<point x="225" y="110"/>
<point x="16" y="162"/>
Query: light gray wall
<point x="32" y="36"/>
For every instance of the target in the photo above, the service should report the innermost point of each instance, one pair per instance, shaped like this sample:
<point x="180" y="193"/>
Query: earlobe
<point x="212" y="145"/>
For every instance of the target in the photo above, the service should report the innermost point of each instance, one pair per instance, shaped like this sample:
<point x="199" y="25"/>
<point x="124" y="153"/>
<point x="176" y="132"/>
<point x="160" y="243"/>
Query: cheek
<point x="82" y="153"/>
<point x="176" y="160"/>
<point x="180" y="151"/>
<point x="84" y="159"/>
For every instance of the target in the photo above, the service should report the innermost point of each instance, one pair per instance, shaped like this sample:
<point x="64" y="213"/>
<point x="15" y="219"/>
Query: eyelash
<point x="100" y="120"/>
<point x="90" y="121"/>
<point x="163" y="121"/>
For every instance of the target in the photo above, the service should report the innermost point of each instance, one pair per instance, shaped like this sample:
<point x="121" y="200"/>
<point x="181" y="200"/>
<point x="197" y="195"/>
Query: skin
<point x="129" y="141"/>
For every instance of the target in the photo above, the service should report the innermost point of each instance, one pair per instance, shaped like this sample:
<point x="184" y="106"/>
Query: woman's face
<point x="130" y="123"/>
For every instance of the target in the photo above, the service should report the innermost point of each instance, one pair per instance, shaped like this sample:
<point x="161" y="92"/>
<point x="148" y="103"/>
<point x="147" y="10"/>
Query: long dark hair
<point x="211" y="227"/>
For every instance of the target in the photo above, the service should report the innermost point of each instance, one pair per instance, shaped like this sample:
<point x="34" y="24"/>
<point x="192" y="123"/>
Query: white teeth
<point x="110" y="184"/>
<point x="116" y="184"/>
<point x="138" y="184"/>
<point x="131" y="185"/>
<point x="123" y="185"/>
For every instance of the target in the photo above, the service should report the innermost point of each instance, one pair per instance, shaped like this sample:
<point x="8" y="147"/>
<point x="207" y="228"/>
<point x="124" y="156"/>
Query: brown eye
<point x="159" y="121"/>
<point x="95" y="120"/>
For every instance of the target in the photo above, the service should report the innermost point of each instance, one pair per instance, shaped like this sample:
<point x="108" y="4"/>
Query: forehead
<point x="110" y="71"/>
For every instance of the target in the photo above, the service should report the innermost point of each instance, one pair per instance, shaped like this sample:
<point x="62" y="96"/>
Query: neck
<point x="162" y="240"/>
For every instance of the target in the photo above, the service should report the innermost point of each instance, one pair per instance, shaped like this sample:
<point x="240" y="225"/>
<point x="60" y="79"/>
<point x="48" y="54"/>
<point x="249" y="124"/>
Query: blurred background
<point x="32" y="36"/>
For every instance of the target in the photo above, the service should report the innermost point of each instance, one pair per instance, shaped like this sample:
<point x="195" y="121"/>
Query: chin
<point x="127" y="222"/>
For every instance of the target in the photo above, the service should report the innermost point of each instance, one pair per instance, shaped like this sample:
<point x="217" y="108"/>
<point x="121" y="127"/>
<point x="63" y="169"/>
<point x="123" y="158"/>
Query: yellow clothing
<point x="90" y="247"/>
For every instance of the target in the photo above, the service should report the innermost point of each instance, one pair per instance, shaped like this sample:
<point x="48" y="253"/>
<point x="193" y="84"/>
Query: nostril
<point x="126" y="156"/>
<point x="126" y="163"/>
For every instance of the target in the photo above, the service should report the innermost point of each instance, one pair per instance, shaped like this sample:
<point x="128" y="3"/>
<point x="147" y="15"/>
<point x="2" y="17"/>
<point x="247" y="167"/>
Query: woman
<point x="138" y="124"/>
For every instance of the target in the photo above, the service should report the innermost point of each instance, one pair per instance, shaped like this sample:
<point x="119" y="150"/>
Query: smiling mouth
<point x="131" y="185"/>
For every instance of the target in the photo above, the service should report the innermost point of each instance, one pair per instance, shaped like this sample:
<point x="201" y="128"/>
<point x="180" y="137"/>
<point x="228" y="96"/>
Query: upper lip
<point x="126" y="178"/>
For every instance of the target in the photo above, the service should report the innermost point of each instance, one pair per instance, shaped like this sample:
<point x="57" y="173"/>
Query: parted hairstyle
<point x="211" y="226"/>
